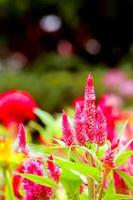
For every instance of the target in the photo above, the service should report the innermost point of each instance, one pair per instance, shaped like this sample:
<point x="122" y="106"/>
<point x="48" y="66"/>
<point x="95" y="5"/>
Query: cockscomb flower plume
<point x="68" y="137"/>
<point x="90" y="123"/>
<point x="53" y="169"/>
<point x="90" y="109"/>
<point x="34" y="191"/>
<point x="79" y="121"/>
<point x="101" y="127"/>
<point x="23" y="147"/>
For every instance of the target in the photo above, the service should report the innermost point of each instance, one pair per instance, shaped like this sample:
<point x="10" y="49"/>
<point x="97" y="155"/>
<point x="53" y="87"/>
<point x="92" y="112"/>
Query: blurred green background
<point x="47" y="47"/>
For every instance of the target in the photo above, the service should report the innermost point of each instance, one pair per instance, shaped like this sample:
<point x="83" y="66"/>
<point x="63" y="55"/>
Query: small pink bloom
<point x="53" y="169"/>
<point x="108" y="159"/>
<point x="68" y="137"/>
<point x="90" y="109"/>
<point x="22" y="140"/>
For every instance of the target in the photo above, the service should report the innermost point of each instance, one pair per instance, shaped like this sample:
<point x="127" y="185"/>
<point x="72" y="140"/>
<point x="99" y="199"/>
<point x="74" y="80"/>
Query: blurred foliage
<point x="52" y="90"/>
<point x="53" y="61"/>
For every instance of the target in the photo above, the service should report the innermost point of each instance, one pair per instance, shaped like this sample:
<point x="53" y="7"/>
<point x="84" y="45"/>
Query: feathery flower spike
<point x="101" y="127"/>
<point x="53" y="169"/>
<point x="23" y="148"/>
<point x="79" y="123"/>
<point x="90" y="109"/>
<point x="68" y="137"/>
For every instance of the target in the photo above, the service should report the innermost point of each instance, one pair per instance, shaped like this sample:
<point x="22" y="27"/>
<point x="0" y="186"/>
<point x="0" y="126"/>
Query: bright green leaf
<point x="9" y="195"/>
<point x="81" y="168"/>
<point x="39" y="180"/>
<point x="117" y="197"/>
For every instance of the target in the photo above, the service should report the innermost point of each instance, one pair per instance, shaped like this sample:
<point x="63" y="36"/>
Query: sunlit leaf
<point x="81" y="168"/>
<point x="118" y="197"/>
<point x="9" y="195"/>
<point x="39" y="180"/>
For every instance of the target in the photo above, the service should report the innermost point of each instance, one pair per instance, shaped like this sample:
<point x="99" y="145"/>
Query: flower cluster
<point x="89" y="122"/>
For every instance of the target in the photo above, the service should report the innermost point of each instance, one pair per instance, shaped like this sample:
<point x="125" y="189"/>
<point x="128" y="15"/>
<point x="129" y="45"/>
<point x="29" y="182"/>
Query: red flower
<point x="68" y="137"/>
<point x="16" y="106"/>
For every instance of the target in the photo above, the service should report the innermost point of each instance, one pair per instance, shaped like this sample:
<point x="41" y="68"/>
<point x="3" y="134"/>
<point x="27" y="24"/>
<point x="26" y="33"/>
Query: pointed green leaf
<point x="9" y="195"/>
<point x="117" y="197"/>
<point x="81" y="168"/>
<point x="39" y="180"/>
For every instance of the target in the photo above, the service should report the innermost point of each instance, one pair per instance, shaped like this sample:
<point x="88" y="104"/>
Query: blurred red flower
<point x="16" y="106"/>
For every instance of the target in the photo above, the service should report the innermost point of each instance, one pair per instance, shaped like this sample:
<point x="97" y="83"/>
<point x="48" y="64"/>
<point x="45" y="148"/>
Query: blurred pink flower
<point x="114" y="78"/>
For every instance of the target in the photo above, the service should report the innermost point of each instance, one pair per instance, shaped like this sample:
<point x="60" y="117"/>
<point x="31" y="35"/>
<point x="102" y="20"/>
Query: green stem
<point x="8" y="184"/>
<point x="91" y="182"/>
<point x="101" y="187"/>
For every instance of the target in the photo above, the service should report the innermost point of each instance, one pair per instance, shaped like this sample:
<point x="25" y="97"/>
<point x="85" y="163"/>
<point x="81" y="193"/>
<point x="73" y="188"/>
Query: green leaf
<point x="45" y="117"/>
<point x="127" y="178"/>
<point x="40" y="180"/>
<point x="117" y="197"/>
<point x="9" y="195"/>
<point x="80" y="168"/>
<point x="123" y="157"/>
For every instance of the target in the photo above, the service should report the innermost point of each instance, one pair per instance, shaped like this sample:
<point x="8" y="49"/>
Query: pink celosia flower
<point x="23" y="148"/>
<point x="16" y="107"/>
<point x="108" y="159"/>
<point x="68" y="137"/>
<point x="79" y="122"/>
<point x="89" y="122"/>
<point x="90" y="109"/>
<point x="32" y="190"/>
<point x="101" y="127"/>
<point x="53" y="169"/>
